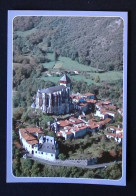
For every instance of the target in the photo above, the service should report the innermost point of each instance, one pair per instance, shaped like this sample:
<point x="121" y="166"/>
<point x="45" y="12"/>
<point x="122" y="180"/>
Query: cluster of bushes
<point x="88" y="147"/>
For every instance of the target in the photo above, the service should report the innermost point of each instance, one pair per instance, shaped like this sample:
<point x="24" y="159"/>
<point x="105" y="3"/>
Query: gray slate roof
<point x="53" y="89"/>
<point x="47" y="147"/>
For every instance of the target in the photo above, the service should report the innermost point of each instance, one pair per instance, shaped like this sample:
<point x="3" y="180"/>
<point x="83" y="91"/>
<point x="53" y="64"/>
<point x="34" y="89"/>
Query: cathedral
<point x="55" y="100"/>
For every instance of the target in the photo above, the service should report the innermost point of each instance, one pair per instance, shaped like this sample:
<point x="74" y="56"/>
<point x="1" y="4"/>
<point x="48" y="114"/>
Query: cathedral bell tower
<point x="65" y="81"/>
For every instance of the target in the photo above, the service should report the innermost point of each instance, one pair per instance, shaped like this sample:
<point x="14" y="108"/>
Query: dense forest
<point x="94" y="41"/>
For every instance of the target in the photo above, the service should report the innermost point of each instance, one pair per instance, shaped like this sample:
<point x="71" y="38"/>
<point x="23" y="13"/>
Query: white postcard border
<point x="9" y="176"/>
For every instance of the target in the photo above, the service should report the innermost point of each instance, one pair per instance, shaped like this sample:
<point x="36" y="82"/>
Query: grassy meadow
<point x="87" y="73"/>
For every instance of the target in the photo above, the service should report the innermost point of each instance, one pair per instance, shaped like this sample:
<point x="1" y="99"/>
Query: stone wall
<point x="78" y="162"/>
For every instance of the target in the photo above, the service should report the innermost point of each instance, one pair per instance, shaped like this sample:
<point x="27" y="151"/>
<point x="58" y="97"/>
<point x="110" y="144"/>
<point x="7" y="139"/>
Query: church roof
<point x="53" y="89"/>
<point x="65" y="78"/>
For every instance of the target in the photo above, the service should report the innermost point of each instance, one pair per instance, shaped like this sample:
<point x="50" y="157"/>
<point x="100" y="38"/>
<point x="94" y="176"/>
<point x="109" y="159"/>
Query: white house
<point x="101" y="114"/>
<point x="116" y="137"/>
<point x="40" y="146"/>
<point x="47" y="149"/>
<point x="29" y="137"/>
<point x="67" y="135"/>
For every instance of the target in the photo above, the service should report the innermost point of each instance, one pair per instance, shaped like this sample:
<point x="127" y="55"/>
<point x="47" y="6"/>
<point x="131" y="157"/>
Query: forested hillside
<point x="45" y="46"/>
<point x="93" y="41"/>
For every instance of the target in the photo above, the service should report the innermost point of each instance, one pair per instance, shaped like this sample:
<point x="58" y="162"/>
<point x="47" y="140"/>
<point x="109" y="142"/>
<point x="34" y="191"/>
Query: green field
<point x="51" y="78"/>
<point x="66" y="64"/>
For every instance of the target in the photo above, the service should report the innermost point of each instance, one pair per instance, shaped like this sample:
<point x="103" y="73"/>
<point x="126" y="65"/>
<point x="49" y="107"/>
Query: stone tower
<point x="65" y="80"/>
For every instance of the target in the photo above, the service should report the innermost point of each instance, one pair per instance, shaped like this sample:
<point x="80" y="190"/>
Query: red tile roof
<point x="68" y="133"/>
<point x="30" y="139"/>
<point x="106" y="102"/>
<point x="76" y="129"/>
<point x="34" y="130"/>
<point x="104" y="111"/>
<point x="112" y="107"/>
<point x="75" y="120"/>
<point x="107" y="120"/>
<point x="90" y="101"/>
<point x="88" y="94"/>
<point x="64" y="123"/>
<point x="120" y="135"/>
<point x="32" y="142"/>
<point x="111" y="134"/>
<point x="92" y="124"/>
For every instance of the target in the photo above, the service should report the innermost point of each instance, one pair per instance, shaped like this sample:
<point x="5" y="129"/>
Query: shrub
<point x="62" y="156"/>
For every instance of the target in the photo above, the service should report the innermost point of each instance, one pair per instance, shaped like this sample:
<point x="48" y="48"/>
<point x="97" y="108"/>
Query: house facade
<point x="38" y="145"/>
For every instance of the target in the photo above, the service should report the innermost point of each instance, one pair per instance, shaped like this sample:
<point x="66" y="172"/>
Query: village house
<point x="114" y="136"/>
<point x="38" y="145"/>
<point x="114" y="129"/>
<point x="105" y="104"/>
<point x="83" y="107"/>
<point x="76" y="131"/>
<point x="93" y="126"/>
<point x="115" y="132"/>
<point x="103" y="113"/>
<point x="120" y="111"/>
<point x="76" y="72"/>
<point x="75" y="127"/>
<point x="83" y="102"/>
<point x="89" y="95"/>
<point x="47" y="149"/>
<point x="29" y="137"/>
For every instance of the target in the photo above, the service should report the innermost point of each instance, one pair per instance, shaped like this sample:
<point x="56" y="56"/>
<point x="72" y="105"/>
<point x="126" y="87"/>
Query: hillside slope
<point x="94" y="41"/>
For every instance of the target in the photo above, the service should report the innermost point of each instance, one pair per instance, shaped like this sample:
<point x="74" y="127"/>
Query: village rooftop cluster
<point x="58" y="100"/>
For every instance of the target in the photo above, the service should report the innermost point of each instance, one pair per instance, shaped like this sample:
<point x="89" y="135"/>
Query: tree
<point x="44" y="120"/>
<point x="97" y="79"/>
<point x="14" y="135"/>
<point x="118" y="118"/>
<point x="17" y="113"/>
<point x="113" y="172"/>
<point x="35" y="171"/>
<point x="62" y="156"/>
<point x="26" y="165"/>
<point x="89" y="174"/>
<point x="16" y="168"/>
<point x="56" y="56"/>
